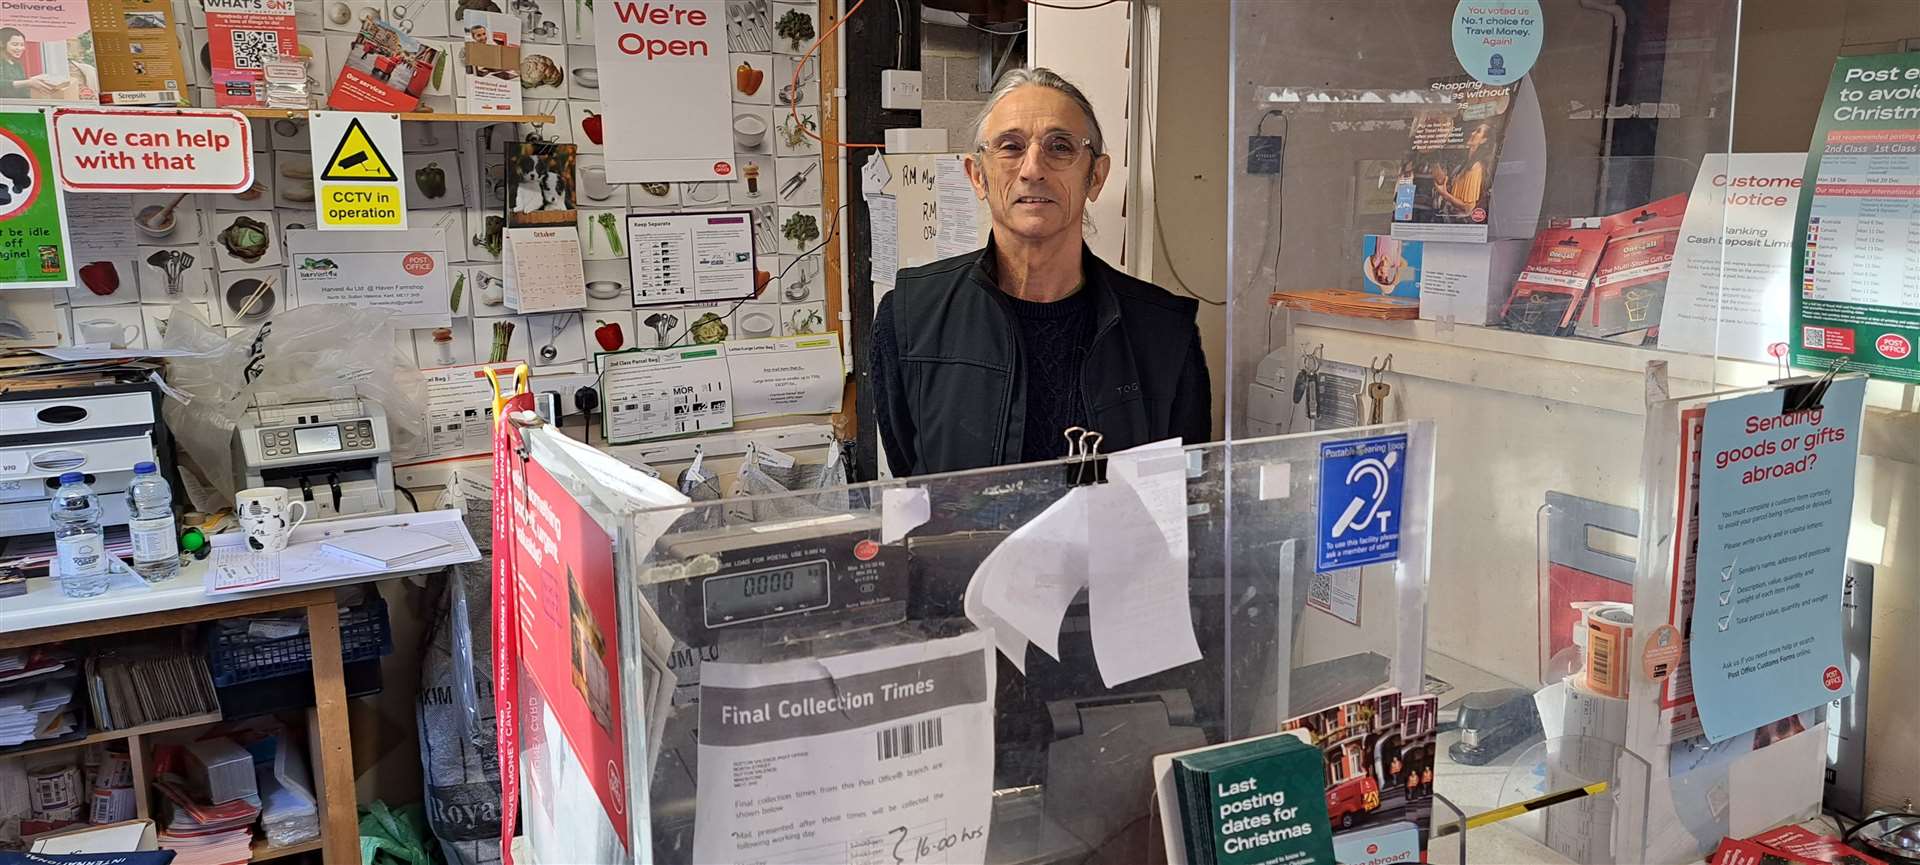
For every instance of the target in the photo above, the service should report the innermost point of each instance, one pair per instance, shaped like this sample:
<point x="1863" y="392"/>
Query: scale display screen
<point x="316" y="439"/>
<point x="766" y="593"/>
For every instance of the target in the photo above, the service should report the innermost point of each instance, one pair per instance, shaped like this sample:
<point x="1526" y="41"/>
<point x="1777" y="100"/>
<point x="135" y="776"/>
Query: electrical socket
<point x="900" y="89"/>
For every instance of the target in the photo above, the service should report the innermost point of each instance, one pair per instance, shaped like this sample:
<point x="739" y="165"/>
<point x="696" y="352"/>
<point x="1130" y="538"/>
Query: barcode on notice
<point x="908" y="739"/>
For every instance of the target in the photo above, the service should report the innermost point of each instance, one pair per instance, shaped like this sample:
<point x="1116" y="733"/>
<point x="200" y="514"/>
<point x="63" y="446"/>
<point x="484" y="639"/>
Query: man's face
<point x="1036" y="195"/>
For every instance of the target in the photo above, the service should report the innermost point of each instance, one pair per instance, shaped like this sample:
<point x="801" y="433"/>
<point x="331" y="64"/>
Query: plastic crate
<point x="365" y="634"/>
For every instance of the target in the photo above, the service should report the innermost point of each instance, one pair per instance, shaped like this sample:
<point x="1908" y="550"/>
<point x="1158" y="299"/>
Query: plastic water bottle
<point x="80" y="547"/>
<point x="156" y="542"/>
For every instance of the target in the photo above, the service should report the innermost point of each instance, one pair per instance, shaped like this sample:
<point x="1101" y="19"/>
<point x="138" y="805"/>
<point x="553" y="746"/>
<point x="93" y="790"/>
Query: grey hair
<point x="1041" y="76"/>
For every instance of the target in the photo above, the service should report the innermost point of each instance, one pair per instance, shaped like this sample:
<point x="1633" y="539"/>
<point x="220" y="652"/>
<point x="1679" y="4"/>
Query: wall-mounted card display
<point x="655" y="394"/>
<point x="491" y="60"/>
<point x="543" y="269"/>
<point x="35" y="250"/>
<point x="153" y="150"/>
<point x="402" y="271"/>
<point x="796" y="375"/>
<point x="242" y="35"/>
<point x="691" y="257"/>
<point x="139" y="59"/>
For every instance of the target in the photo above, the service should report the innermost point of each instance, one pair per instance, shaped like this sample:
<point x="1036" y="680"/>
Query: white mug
<point x="108" y="331"/>
<point x="593" y="181"/>
<point x="266" y="515"/>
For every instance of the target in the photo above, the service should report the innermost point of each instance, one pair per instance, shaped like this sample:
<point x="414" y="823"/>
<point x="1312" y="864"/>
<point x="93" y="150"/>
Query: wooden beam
<point x="339" y="817"/>
<point x="166" y="618"/>
<point x="845" y="423"/>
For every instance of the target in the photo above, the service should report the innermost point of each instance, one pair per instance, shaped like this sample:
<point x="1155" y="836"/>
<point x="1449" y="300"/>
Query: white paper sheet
<point x="902" y="509"/>
<point x="953" y="195"/>
<point x="883" y="215"/>
<point x="402" y="271"/>
<point x="459" y="415"/>
<point x="818" y="743"/>
<point x="1125" y="541"/>
<point x="235" y="568"/>
<point x="1137" y="561"/>
<point x="786" y="376"/>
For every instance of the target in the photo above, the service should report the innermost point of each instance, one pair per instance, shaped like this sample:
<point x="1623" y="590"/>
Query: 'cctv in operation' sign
<point x="356" y="171"/>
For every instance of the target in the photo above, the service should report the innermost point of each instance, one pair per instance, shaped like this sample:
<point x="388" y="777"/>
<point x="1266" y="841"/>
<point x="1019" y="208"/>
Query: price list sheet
<point x="654" y="394"/>
<point x="1865" y="223"/>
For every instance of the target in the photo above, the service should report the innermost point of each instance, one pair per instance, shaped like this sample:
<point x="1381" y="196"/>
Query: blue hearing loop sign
<point x="1360" y="491"/>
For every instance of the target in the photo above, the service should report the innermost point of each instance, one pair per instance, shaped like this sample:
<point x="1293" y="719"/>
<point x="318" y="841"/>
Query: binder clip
<point x="1808" y="395"/>
<point x="1087" y="466"/>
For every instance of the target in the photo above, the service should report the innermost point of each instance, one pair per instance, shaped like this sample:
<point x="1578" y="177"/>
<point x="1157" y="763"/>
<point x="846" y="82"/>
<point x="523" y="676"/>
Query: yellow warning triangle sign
<point x="355" y="158"/>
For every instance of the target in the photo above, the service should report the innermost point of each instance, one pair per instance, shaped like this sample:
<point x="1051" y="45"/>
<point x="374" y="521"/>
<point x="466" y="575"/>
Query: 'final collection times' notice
<point x="1856" y="256"/>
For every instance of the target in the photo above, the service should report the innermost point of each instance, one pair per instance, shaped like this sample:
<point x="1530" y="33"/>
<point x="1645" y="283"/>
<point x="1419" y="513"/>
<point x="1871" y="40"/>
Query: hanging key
<point x="1377" y="394"/>
<point x="1299" y="386"/>
<point x="1313" y="396"/>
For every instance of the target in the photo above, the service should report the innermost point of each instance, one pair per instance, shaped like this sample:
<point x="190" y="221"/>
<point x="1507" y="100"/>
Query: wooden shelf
<point x="262" y="851"/>
<point x="116" y="735"/>
<point x="301" y="114"/>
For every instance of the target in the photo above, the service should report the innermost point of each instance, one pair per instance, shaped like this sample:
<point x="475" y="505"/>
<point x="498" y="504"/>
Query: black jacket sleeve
<point x="889" y="394"/>
<point x="1193" y="402"/>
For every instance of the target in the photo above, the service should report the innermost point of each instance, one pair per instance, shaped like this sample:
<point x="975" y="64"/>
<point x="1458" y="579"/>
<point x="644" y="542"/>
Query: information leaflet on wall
<point x="153" y="150"/>
<point x="674" y="118"/>
<point x="958" y="210"/>
<point x="356" y="171"/>
<point x="569" y="628"/>
<point x="1727" y="291"/>
<point x="883" y="215"/>
<point x="242" y="35"/>
<point x="35" y="246"/>
<point x="1776" y="504"/>
<point x="648" y="394"/>
<point x="401" y="271"/>
<point x="690" y="257"/>
<point x="884" y="755"/>
<point x="793" y="375"/>
<point x="1859" y="286"/>
<point x="56" y="61"/>
<point x="139" y="56"/>
<point x="459" y="414"/>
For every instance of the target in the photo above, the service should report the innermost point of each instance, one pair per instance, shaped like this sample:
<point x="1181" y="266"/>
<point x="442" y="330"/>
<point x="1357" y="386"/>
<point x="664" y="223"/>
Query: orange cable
<point x="793" y="108"/>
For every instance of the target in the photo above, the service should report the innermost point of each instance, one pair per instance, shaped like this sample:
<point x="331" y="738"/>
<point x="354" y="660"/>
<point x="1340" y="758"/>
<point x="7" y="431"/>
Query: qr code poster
<point x="242" y="35"/>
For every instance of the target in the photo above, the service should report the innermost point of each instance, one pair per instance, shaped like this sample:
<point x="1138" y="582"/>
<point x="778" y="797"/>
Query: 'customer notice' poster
<point x="34" y="247"/>
<point x="674" y="118"/>
<point x="1776" y="506"/>
<point x="1727" y="291"/>
<point x="1858" y="294"/>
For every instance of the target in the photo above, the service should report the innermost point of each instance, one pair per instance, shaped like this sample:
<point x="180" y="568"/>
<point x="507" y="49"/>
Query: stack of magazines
<point x="203" y="834"/>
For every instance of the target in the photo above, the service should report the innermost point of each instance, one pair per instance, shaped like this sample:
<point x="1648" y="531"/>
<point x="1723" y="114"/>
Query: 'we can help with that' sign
<point x="152" y="150"/>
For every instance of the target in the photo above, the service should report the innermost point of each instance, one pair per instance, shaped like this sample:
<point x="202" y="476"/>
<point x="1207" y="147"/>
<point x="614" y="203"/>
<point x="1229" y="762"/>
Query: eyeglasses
<point x="1058" y="150"/>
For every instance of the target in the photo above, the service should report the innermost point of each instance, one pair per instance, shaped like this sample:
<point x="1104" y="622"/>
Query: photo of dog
<point x="540" y="184"/>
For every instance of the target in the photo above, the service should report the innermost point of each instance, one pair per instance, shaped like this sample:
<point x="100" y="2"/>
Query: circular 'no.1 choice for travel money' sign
<point x="1497" y="41"/>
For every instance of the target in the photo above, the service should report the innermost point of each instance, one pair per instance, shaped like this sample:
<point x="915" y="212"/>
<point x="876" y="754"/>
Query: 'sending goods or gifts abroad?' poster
<point x="35" y="249"/>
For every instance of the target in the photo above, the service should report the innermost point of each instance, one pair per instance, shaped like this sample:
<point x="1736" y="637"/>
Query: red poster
<point x="242" y="35"/>
<point x="569" y="629"/>
<point x="508" y="500"/>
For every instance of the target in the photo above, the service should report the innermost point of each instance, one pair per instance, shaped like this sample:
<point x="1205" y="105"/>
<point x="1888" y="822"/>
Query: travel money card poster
<point x="1857" y="278"/>
<point x="35" y="251"/>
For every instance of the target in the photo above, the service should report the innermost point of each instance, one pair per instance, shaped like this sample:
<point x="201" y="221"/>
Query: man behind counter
<point x="987" y="358"/>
